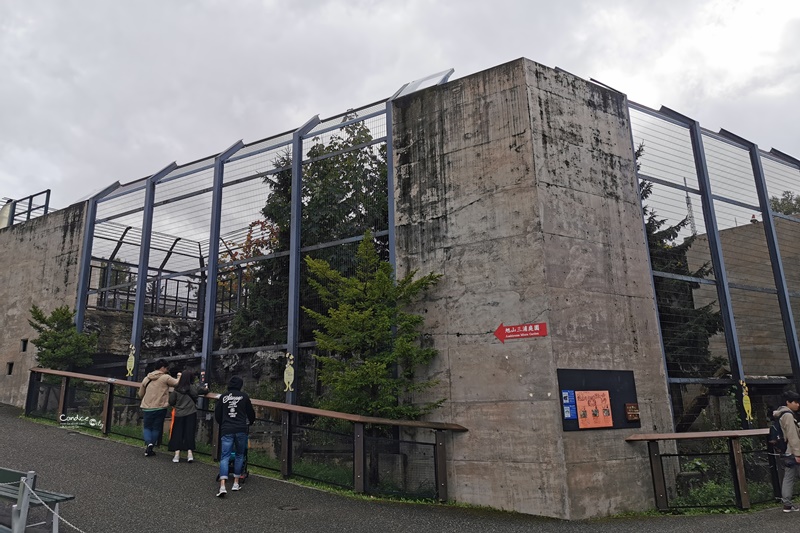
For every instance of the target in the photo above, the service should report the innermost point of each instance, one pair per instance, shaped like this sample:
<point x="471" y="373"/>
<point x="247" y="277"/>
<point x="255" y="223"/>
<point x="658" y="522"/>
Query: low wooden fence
<point x="408" y="459"/>
<point x="746" y="468"/>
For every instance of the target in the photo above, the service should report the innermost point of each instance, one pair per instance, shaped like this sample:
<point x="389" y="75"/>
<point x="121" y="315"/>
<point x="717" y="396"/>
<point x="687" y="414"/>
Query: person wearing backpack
<point x="184" y="416"/>
<point x="791" y="437"/>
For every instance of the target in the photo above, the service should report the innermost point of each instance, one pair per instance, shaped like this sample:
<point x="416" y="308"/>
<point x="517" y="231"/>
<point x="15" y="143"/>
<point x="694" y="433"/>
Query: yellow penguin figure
<point x="748" y="407"/>
<point x="131" y="360"/>
<point x="288" y="374"/>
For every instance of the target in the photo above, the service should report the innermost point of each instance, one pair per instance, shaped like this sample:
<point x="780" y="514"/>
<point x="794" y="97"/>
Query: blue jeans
<point x="237" y="441"/>
<point x="153" y="426"/>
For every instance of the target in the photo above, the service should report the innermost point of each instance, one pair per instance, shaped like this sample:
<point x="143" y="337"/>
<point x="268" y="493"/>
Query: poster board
<point x="598" y="399"/>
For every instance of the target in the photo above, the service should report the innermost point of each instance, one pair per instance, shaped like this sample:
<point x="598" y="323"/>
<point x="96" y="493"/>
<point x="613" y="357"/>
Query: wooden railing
<point x="736" y="458"/>
<point x="287" y="411"/>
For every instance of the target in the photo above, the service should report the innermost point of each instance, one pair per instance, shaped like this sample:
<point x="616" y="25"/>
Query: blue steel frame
<point x="144" y="262"/>
<point x="214" y="235"/>
<point x="213" y="254"/>
<point x="710" y="219"/>
<point x="774" y="252"/>
<point x="86" y="254"/>
<point x="712" y="233"/>
<point x="294" y="245"/>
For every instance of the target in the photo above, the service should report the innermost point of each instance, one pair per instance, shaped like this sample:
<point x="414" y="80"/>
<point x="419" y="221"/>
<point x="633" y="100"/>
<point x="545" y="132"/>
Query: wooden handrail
<point x="274" y="405"/>
<point x="727" y="434"/>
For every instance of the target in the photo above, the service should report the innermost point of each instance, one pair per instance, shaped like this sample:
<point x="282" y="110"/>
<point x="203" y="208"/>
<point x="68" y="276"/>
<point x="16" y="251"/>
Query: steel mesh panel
<point x="400" y="468"/>
<point x="730" y="171"/>
<point x="759" y="328"/>
<point x="324" y="455"/>
<point x="667" y="149"/>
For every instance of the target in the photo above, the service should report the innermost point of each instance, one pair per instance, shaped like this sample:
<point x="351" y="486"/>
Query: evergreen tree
<point x="788" y="203"/>
<point x="372" y="345"/>
<point x="60" y="346"/>
<point x="344" y="193"/>
<point x="685" y="330"/>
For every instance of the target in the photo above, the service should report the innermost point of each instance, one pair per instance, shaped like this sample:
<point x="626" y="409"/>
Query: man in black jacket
<point x="234" y="413"/>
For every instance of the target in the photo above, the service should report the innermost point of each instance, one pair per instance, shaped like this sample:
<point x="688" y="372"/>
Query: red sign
<point x="520" y="331"/>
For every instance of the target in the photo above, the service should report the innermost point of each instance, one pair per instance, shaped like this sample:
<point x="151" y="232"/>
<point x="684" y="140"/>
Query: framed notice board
<point x="598" y="399"/>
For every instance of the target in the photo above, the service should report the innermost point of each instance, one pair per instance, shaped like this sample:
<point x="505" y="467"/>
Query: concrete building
<point x="39" y="265"/>
<point x="518" y="185"/>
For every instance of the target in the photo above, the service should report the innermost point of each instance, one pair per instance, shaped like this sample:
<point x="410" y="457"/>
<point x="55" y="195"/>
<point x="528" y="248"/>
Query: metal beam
<point x="85" y="268"/>
<point x="294" y="246"/>
<point x="715" y="247"/>
<point x="390" y="183"/>
<point x="213" y="255"/>
<point x="774" y="252"/>
<point x="144" y="260"/>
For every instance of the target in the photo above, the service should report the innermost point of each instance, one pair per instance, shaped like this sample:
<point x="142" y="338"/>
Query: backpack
<point x="776" y="436"/>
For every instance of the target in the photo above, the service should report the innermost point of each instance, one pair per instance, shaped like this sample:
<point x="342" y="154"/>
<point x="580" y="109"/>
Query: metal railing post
<point x="738" y="474"/>
<point x="62" y="397"/>
<point x="359" y="458"/>
<point x="657" y="469"/>
<point x="33" y="390"/>
<point x="215" y="451"/>
<point x="440" y="466"/>
<point x="108" y="409"/>
<point x="286" y="444"/>
<point x="775" y="478"/>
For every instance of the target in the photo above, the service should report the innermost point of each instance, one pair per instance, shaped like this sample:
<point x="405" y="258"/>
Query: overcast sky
<point x="98" y="91"/>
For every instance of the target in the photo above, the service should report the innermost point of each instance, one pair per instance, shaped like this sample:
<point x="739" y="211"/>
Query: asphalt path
<point x="117" y="489"/>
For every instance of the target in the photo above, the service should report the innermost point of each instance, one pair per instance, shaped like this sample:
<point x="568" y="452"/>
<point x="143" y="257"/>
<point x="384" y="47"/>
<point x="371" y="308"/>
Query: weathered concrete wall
<point x="517" y="184"/>
<point x="39" y="261"/>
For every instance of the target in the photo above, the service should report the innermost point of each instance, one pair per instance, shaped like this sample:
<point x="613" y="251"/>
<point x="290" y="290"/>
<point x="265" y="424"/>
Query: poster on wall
<point x="617" y="404"/>
<point x="594" y="409"/>
<point x="568" y="403"/>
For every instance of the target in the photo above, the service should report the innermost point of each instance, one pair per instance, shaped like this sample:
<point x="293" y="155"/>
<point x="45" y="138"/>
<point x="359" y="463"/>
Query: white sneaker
<point x="176" y="459"/>
<point x="190" y="459"/>
<point x="236" y="486"/>
<point x="222" y="492"/>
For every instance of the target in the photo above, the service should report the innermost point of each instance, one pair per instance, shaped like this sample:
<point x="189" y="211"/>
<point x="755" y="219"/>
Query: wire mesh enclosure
<point x="217" y="242"/>
<point x="721" y="218"/>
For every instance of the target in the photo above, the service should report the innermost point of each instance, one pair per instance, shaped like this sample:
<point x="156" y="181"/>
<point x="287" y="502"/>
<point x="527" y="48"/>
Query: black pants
<point x="183" y="431"/>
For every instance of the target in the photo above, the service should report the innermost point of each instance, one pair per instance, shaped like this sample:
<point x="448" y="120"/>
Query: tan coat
<point x="791" y="432"/>
<point x="154" y="391"/>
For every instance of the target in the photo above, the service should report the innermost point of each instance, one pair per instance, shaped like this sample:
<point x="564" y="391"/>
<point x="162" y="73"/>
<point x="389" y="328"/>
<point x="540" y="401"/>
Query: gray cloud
<point x="97" y="91"/>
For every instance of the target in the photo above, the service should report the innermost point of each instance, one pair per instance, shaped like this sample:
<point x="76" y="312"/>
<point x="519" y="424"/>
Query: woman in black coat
<point x="184" y="417"/>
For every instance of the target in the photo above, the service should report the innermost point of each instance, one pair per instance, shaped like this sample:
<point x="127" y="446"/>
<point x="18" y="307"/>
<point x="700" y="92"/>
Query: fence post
<point x="772" y="453"/>
<point x="215" y="451"/>
<point x="737" y="469"/>
<point x="62" y="397"/>
<point x="440" y="466"/>
<point x="657" y="469"/>
<point x="33" y="391"/>
<point x="359" y="457"/>
<point x="108" y="409"/>
<point x="286" y="444"/>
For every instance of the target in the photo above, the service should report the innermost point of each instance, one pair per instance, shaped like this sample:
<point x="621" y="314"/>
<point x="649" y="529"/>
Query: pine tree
<point x="60" y="346"/>
<point x="372" y="344"/>
<point x="344" y="193"/>
<point x="685" y="329"/>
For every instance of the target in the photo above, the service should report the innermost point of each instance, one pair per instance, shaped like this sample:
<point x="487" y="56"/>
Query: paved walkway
<point x="117" y="489"/>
